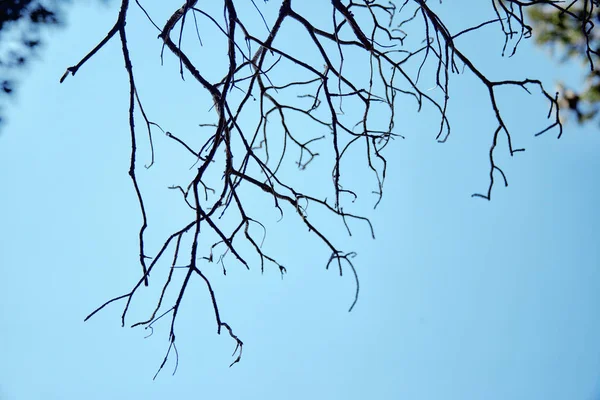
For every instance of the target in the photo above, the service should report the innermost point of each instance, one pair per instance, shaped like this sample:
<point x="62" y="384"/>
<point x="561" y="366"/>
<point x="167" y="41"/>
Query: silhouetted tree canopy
<point x="22" y="24"/>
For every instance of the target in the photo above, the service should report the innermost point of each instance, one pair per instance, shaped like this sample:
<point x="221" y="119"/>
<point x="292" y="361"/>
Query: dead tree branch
<point x="281" y="86"/>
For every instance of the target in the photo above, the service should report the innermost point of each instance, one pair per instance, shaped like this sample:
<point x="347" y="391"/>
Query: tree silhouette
<point x="21" y="24"/>
<point x="275" y="106"/>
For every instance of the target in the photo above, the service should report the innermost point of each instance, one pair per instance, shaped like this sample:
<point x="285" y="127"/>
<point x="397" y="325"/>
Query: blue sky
<point x="460" y="298"/>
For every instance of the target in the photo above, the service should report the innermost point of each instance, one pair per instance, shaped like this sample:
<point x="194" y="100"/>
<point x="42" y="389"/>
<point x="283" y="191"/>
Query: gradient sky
<point x="460" y="298"/>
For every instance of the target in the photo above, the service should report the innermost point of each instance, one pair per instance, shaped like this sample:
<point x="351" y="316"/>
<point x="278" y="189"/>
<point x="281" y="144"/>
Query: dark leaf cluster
<point x="22" y="25"/>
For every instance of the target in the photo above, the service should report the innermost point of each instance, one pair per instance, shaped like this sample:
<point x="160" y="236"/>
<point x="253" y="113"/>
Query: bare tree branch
<point x="280" y="86"/>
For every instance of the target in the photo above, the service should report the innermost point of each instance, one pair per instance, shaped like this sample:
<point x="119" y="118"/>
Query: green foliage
<point x="569" y="34"/>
